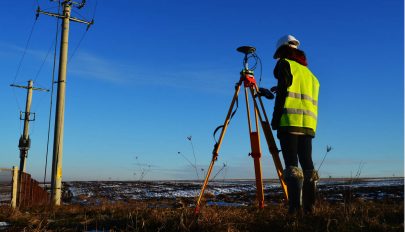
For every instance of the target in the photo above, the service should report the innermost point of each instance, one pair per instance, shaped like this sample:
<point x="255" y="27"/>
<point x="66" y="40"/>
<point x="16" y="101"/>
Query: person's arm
<point x="282" y="72"/>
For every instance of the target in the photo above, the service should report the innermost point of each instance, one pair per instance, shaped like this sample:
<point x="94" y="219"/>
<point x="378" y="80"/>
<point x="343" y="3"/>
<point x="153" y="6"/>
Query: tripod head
<point x="249" y="52"/>
<point x="246" y="50"/>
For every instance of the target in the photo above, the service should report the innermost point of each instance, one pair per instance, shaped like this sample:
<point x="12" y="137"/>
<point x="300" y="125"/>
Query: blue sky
<point x="150" y="73"/>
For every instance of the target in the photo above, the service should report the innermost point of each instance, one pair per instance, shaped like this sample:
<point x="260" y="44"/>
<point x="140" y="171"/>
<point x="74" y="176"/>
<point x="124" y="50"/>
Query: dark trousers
<point x="296" y="148"/>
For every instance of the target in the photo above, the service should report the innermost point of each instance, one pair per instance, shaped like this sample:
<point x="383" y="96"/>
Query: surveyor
<point x="294" y="118"/>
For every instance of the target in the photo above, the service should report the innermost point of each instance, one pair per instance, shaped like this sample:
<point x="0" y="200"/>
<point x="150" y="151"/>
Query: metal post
<point x="56" y="182"/>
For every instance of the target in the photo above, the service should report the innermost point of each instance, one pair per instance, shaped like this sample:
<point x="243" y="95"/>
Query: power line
<point x="51" y="98"/>
<point x="84" y="34"/>
<point x="43" y="62"/>
<point x="25" y="51"/>
<point x="95" y="8"/>
<point x="77" y="47"/>
<point x="76" y="12"/>
<point x="21" y="61"/>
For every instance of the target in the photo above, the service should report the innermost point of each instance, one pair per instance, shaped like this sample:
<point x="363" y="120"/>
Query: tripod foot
<point x="197" y="210"/>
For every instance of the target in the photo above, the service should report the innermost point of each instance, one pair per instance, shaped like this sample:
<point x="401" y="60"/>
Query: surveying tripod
<point x="249" y="82"/>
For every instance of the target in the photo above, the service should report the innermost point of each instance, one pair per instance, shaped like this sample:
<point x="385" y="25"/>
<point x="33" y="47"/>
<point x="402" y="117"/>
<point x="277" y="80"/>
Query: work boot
<point x="293" y="178"/>
<point x="309" y="190"/>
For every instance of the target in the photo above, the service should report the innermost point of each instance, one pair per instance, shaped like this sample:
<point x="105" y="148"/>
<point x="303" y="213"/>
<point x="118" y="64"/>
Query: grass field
<point x="149" y="216"/>
<point x="362" y="205"/>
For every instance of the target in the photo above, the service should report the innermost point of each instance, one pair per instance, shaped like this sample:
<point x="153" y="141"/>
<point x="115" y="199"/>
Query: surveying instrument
<point x="249" y="83"/>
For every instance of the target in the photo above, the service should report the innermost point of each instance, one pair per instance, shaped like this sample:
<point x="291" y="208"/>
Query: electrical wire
<point x="52" y="90"/>
<point x="95" y="8"/>
<point x="38" y="102"/>
<point x="77" y="47"/>
<point x="25" y="51"/>
<point x="43" y="62"/>
<point x="77" y="12"/>
<point x="84" y="34"/>
<point x="20" y="64"/>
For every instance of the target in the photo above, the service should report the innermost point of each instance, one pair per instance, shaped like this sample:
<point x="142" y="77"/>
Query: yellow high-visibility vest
<point x="301" y="103"/>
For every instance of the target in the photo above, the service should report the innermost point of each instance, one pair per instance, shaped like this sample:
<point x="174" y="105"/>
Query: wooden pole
<point x="24" y="143"/>
<point x="15" y="188"/>
<point x="56" y="182"/>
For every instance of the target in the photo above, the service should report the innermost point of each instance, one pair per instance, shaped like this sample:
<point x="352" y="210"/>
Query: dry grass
<point x="147" y="216"/>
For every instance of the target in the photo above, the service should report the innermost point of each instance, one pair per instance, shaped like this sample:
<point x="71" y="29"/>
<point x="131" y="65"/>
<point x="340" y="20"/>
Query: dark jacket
<point x="282" y="73"/>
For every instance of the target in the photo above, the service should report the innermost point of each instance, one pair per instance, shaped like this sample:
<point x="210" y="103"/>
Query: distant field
<point x="5" y="186"/>
<point x="237" y="192"/>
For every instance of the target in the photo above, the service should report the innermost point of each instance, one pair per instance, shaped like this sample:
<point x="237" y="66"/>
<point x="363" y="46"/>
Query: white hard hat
<point x="288" y="40"/>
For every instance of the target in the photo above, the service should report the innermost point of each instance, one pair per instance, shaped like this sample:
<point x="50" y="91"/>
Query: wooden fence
<point x="30" y="192"/>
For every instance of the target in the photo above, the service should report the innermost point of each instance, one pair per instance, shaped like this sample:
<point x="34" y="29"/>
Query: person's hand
<point x="274" y="89"/>
<point x="265" y="93"/>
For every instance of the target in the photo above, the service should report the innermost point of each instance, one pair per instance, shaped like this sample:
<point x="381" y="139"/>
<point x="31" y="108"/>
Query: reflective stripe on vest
<point x="301" y="103"/>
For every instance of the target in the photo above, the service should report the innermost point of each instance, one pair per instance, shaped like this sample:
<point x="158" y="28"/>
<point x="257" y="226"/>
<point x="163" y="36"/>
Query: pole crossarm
<point x="61" y="16"/>
<point x="27" y="87"/>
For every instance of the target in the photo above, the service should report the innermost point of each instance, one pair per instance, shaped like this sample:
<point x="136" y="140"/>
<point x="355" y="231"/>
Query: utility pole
<point x="25" y="141"/>
<point x="56" y="180"/>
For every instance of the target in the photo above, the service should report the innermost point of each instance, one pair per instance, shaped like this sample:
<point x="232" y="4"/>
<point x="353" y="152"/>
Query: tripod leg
<point x="217" y="146"/>
<point x="270" y="140"/>
<point x="256" y="152"/>
<point x="256" y="155"/>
